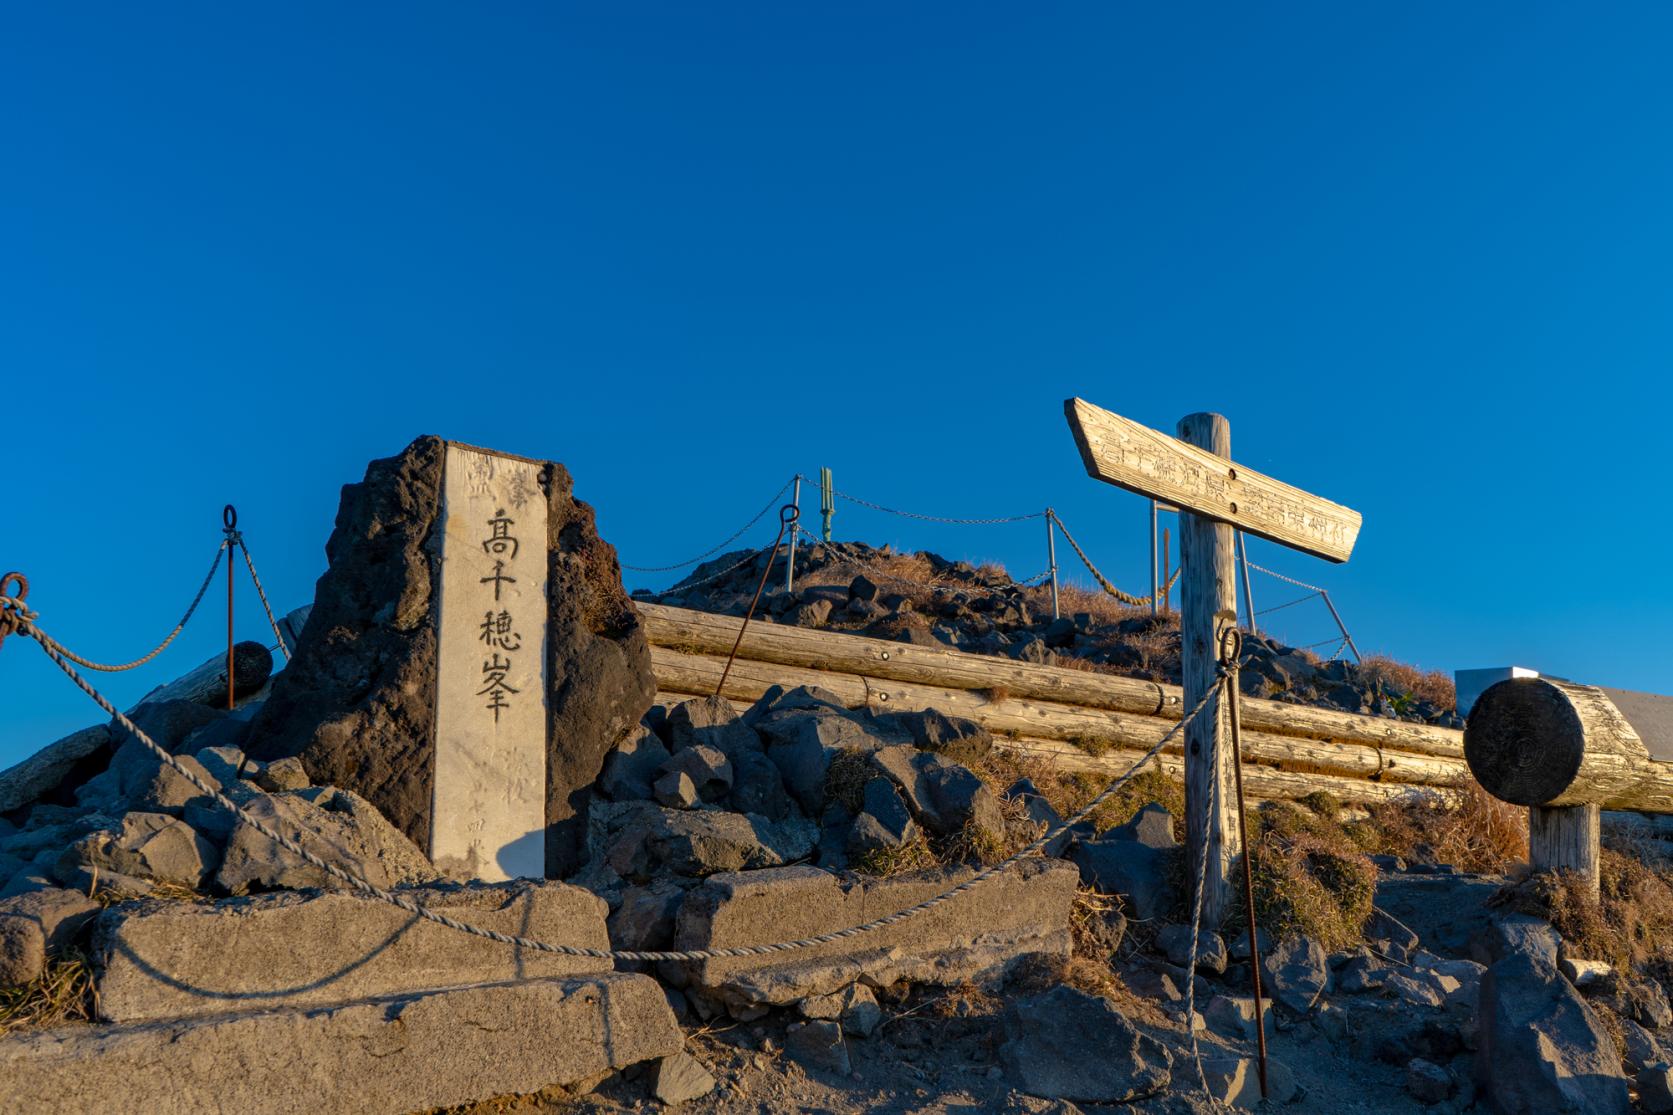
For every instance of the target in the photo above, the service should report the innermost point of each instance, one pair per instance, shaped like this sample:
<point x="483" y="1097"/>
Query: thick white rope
<point x="266" y="607"/>
<point x="214" y="564"/>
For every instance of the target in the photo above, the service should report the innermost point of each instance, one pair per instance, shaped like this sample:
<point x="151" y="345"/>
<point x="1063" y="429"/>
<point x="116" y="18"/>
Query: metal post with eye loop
<point x="1231" y="652"/>
<point x="14" y="590"/>
<point x="229" y="525"/>
<point x="787" y="516"/>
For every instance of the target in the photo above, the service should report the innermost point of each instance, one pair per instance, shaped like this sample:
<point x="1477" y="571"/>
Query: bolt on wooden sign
<point x="489" y="804"/>
<point x="1120" y="451"/>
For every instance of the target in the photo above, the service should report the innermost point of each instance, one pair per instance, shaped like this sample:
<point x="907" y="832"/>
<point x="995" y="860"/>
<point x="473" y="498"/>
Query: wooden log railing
<point x="1076" y="719"/>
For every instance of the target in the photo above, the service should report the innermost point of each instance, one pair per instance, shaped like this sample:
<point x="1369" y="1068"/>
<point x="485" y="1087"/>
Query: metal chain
<point x="714" y="549"/>
<point x="268" y="608"/>
<point x="939" y="518"/>
<point x="1125" y="597"/>
<point x="1286" y="580"/>
<point x="686" y="586"/>
<point x="14" y="617"/>
<point x="862" y="563"/>
<point x="1290" y="604"/>
<point x="214" y="564"/>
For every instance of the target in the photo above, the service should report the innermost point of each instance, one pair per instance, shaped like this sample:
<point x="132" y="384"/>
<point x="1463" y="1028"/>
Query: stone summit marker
<point x="489" y="804"/>
<point x="470" y="659"/>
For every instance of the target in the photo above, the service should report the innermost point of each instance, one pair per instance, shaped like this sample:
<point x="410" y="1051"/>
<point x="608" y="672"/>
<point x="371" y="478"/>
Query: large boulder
<point x="357" y="701"/>
<point x="1542" y="1048"/>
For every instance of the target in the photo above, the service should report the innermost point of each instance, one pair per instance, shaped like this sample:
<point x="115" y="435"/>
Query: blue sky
<point x="1418" y="254"/>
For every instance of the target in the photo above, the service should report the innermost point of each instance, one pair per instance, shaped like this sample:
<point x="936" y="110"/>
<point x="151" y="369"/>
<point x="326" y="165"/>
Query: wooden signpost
<point x="1214" y="496"/>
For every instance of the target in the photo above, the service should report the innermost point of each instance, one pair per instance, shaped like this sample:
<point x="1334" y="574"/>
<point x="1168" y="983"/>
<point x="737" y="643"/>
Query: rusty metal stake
<point x="1231" y="648"/>
<point x="229" y="523"/>
<point x="787" y="516"/>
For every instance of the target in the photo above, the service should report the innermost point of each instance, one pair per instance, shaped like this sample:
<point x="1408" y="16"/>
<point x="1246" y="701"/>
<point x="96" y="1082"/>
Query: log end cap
<point x="1524" y="741"/>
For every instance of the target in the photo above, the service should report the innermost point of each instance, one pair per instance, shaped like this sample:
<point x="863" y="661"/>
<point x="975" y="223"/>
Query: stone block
<point x="1018" y="913"/>
<point x="384" y="1056"/>
<point x="173" y="959"/>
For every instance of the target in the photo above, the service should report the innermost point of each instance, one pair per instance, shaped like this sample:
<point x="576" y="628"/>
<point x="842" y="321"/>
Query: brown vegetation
<point x="64" y="993"/>
<point x="1434" y="686"/>
<point x="1469" y="828"/>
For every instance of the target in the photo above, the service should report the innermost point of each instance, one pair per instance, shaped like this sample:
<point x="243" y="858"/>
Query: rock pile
<point x="840" y="586"/>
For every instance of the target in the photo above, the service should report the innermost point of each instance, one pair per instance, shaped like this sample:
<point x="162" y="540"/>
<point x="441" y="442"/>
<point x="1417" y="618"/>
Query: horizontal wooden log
<point x="252" y="665"/>
<point x="1129" y="455"/>
<point x="697" y="674"/>
<point x="1536" y="741"/>
<point x="708" y="633"/>
<point x="1261" y="783"/>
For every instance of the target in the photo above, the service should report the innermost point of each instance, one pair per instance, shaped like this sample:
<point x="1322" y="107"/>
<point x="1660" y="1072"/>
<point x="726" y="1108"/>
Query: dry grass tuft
<point x="1311" y="879"/>
<point x="1469" y="828"/>
<point x="914" y="855"/>
<point x="846" y="778"/>
<point x="64" y="993"/>
<point x="1434" y="686"/>
<point x="1630" y="925"/>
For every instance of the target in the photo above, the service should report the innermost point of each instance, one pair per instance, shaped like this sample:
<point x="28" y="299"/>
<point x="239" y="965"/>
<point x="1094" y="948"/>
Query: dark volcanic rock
<point x="357" y="701"/>
<point x="1066" y="1044"/>
<point x="1542" y="1047"/>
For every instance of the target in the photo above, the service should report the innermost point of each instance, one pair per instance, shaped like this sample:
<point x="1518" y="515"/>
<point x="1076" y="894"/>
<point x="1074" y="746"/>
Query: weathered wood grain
<point x="837" y="652"/>
<point x="1122" y="452"/>
<point x="1207" y="607"/>
<point x="681" y="676"/>
<point x="1566" y="838"/>
<point x="1536" y="741"/>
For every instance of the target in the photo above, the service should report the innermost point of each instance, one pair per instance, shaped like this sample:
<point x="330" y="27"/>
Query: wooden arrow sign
<point x="1121" y="452"/>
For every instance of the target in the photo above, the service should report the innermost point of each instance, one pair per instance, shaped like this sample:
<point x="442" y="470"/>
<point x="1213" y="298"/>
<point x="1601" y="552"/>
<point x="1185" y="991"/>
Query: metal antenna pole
<point x="229" y="523"/>
<point x="1155" y="585"/>
<point x="796" y="502"/>
<point x="1051" y="553"/>
<point x="827" y="500"/>
<point x="1167" y="601"/>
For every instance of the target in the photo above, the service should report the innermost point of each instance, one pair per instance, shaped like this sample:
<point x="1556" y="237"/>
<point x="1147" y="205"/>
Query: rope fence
<point x="214" y="564"/>
<point x="15" y="618"/>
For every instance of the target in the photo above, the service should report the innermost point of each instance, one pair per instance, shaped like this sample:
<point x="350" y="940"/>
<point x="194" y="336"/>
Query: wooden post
<point x="1208" y="602"/>
<point x="1565" y="838"/>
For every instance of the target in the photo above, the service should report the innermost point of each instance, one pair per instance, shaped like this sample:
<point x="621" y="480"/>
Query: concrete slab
<point x="383" y="1056"/>
<point x="1023" y="912"/>
<point x="177" y="959"/>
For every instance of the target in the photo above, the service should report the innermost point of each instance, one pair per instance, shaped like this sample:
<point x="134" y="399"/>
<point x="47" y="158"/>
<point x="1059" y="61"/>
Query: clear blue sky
<point x="1420" y="255"/>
